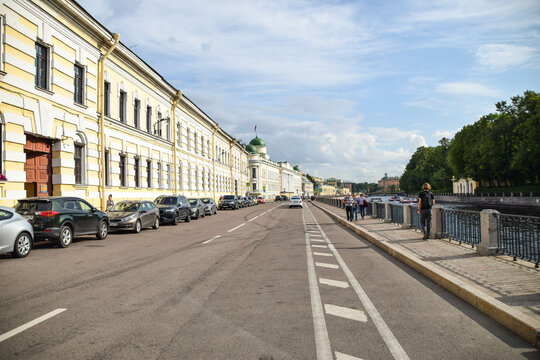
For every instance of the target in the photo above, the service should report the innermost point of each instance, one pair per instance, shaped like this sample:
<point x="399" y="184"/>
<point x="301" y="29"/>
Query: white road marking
<point x="326" y="265"/>
<point x="320" y="246"/>
<point x="30" y="324"/>
<point x="234" y="228"/>
<point x="322" y="254"/>
<point x="250" y="220"/>
<point x="336" y="283"/>
<point x="212" y="239"/>
<point x="348" y="313"/>
<point x="317" y="240"/>
<point x="341" y="356"/>
<point x="322" y="342"/>
<point x="393" y="344"/>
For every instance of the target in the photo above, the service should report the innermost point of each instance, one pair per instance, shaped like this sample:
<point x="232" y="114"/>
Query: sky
<point x="344" y="89"/>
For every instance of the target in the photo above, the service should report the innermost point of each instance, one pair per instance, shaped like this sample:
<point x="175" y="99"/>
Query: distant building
<point x="307" y="187"/>
<point x="389" y="183"/>
<point x="464" y="186"/>
<point x="348" y="186"/>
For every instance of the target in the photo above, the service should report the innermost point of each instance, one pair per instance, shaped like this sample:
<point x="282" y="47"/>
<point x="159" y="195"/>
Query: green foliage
<point x="366" y="188"/>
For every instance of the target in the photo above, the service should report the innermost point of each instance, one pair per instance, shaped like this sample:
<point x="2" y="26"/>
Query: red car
<point x="260" y="199"/>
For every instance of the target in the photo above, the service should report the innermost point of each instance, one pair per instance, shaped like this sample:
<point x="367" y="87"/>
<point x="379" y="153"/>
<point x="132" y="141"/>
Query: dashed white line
<point x="336" y="283"/>
<point x="250" y="220"/>
<point x="30" y="324"/>
<point x="344" y="312"/>
<point x="326" y="265"/>
<point x="212" y="239"/>
<point x="322" y="254"/>
<point x="234" y="228"/>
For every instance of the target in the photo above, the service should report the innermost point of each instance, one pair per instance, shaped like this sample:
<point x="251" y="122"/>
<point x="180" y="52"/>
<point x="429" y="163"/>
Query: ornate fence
<point x="461" y="225"/>
<point x="519" y="236"/>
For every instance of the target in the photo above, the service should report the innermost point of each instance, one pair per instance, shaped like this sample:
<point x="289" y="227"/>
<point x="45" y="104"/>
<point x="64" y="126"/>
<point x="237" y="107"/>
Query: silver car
<point x="17" y="233"/>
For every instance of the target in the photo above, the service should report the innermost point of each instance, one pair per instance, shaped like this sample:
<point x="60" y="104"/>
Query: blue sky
<point x="345" y="89"/>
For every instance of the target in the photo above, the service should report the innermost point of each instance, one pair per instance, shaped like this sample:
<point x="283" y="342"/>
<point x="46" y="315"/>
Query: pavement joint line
<point x="326" y="265"/>
<point x="341" y="356"/>
<point x="212" y="239"/>
<point x="344" y="312"/>
<point x="30" y="324"/>
<point x="237" y="227"/>
<point x="320" y="246"/>
<point x="336" y="283"/>
<point x="388" y="337"/>
<point x="322" y="254"/>
<point x="521" y="324"/>
<point x="322" y="341"/>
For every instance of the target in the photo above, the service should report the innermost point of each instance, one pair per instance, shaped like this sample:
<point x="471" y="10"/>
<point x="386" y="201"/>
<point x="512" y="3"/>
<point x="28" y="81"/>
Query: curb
<point x="514" y="320"/>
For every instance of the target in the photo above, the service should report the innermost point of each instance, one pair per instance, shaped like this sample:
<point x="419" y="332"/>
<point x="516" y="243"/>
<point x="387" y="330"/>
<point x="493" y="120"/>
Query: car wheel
<point x="66" y="236"/>
<point x="176" y="219"/>
<point x="203" y="213"/>
<point x="188" y="217"/>
<point x="103" y="230"/>
<point x="215" y="211"/>
<point x="23" y="245"/>
<point x="156" y="223"/>
<point x="138" y="227"/>
<point x="196" y="215"/>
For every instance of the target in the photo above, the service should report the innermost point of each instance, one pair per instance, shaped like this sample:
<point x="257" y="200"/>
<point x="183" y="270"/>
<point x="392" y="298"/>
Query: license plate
<point x="28" y="217"/>
<point x="113" y="225"/>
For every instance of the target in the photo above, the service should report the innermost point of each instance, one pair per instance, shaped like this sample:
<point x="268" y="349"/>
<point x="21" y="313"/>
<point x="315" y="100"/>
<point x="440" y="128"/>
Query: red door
<point x="38" y="166"/>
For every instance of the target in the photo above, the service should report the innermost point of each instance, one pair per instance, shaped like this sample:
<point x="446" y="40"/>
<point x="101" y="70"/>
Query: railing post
<point x="488" y="233"/>
<point x="407" y="221"/>
<point x="388" y="212"/>
<point x="374" y="212"/>
<point x="436" y="222"/>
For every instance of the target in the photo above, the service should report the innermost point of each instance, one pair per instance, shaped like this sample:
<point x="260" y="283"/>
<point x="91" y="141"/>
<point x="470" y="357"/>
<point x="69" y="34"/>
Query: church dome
<point x="257" y="141"/>
<point x="251" y="149"/>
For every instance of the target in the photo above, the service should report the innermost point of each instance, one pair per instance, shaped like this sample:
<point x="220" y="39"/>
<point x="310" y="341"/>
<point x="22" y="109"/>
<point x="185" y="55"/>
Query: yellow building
<point x="82" y="115"/>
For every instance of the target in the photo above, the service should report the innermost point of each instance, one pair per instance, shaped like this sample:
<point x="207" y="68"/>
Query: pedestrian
<point x="356" y="206"/>
<point x="426" y="200"/>
<point x="348" y="200"/>
<point x="110" y="203"/>
<point x="362" y="204"/>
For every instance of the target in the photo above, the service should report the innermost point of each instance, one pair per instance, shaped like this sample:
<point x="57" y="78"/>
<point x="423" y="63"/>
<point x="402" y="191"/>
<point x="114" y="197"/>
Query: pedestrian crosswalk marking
<point x="320" y="246"/>
<point x="344" y="312"/>
<point x="317" y="240"/>
<point x="326" y="265"/>
<point x="322" y="254"/>
<point x="341" y="356"/>
<point x="336" y="283"/>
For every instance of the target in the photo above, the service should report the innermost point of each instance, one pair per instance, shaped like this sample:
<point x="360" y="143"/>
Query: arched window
<point x="180" y="177"/>
<point x="79" y="157"/>
<point x="189" y="176"/>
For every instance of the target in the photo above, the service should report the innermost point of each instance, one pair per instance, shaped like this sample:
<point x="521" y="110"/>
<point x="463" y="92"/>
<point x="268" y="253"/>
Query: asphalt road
<point x="265" y="282"/>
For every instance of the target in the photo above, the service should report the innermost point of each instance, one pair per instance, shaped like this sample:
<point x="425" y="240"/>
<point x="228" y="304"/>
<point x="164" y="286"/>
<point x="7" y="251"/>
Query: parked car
<point x="173" y="208"/>
<point x="229" y="201"/>
<point x="248" y="201"/>
<point x="278" y="198"/>
<point x="17" y="233"/>
<point x="210" y="206"/>
<point x="296" y="201"/>
<point x="253" y="200"/>
<point x="133" y="215"/>
<point x="197" y="208"/>
<point x="241" y="202"/>
<point x="61" y="219"/>
<point x="260" y="199"/>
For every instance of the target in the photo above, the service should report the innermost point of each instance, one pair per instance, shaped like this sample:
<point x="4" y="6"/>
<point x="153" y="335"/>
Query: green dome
<point x="257" y="141"/>
<point x="251" y="149"/>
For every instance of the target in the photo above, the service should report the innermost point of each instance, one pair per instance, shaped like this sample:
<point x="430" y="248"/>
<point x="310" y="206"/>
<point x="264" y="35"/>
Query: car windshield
<point x="228" y="197"/>
<point x="25" y="207"/>
<point x="295" y="198"/>
<point x="125" y="206"/>
<point x="206" y="201"/>
<point x="168" y="200"/>
<point x="193" y="201"/>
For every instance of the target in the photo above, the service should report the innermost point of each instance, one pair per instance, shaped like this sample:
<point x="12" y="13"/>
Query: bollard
<point x="436" y="221"/>
<point x="388" y="212"/>
<point x="407" y="218"/>
<point x="489" y="233"/>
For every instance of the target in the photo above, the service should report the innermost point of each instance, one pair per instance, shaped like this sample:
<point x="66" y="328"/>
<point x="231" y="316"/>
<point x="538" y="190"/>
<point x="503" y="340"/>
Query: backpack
<point x="427" y="198"/>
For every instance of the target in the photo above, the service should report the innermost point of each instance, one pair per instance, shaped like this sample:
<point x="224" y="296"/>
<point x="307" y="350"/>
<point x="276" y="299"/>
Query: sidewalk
<point x="505" y="290"/>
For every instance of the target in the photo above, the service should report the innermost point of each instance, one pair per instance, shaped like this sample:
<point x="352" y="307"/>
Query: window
<point x="107" y="168"/>
<point x="159" y="174"/>
<point x="122" y="166"/>
<point x="208" y="147"/>
<point x="1" y="43"/>
<point x="78" y="83"/>
<point x="188" y="135"/>
<point x="137" y="113"/>
<point x="2" y="172"/>
<point x="149" y="173"/>
<point x="149" y="119"/>
<point x="42" y="66"/>
<point x="254" y="186"/>
<point x="189" y="176"/>
<point x="137" y="171"/>
<point x="196" y="178"/>
<point x="78" y="157"/>
<point x="168" y="129"/>
<point x="180" y="177"/>
<point x="158" y="124"/>
<point x="195" y="142"/>
<point x="179" y="134"/>
<point x="168" y="176"/>
<point x="254" y="173"/>
<point x="107" y="98"/>
<point x="122" y="106"/>
<point x="203" y="178"/>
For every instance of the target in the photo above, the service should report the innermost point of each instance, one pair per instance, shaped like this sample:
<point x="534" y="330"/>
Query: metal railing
<point x="461" y="225"/>
<point x="414" y="216"/>
<point x="381" y="210"/>
<point x="519" y="236"/>
<point x="396" y="213"/>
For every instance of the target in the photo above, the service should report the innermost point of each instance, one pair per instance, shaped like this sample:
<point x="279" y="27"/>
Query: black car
<point x="173" y="208"/>
<point x="61" y="219"/>
<point x="229" y="201"/>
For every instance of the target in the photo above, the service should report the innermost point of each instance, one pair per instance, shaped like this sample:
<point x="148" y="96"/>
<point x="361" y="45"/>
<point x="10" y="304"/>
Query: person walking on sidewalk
<point x="426" y="200"/>
<point x="355" y="206"/>
<point x="348" y="200"/>
<point x="362" y="204"/>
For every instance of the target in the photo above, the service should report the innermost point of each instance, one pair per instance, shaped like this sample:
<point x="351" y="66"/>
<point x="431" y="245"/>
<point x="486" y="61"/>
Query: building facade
<point x="464" y="186"/>
<point x="82" y="115"/>
<point x="389" y="183"/>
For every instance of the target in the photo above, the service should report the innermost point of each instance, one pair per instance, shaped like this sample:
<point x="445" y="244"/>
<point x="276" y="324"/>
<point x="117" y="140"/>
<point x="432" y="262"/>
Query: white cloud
<point x="504" y="56"/>
<point x="466" y="88"/>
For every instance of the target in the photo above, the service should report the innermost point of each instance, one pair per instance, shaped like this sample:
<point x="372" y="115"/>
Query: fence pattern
<point x="396" y="212"/>
<point x="461" y="225"/>
<point x="519" y="236"/>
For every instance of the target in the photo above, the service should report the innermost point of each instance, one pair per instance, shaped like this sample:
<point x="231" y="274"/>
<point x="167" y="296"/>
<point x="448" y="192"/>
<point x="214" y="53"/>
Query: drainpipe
<point x="175" y="102"/>
<point x="101" y="89"/>
<point x="214" y="159"/>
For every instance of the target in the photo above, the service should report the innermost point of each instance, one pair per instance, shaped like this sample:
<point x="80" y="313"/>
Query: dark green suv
<point x="61" y="219"/>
